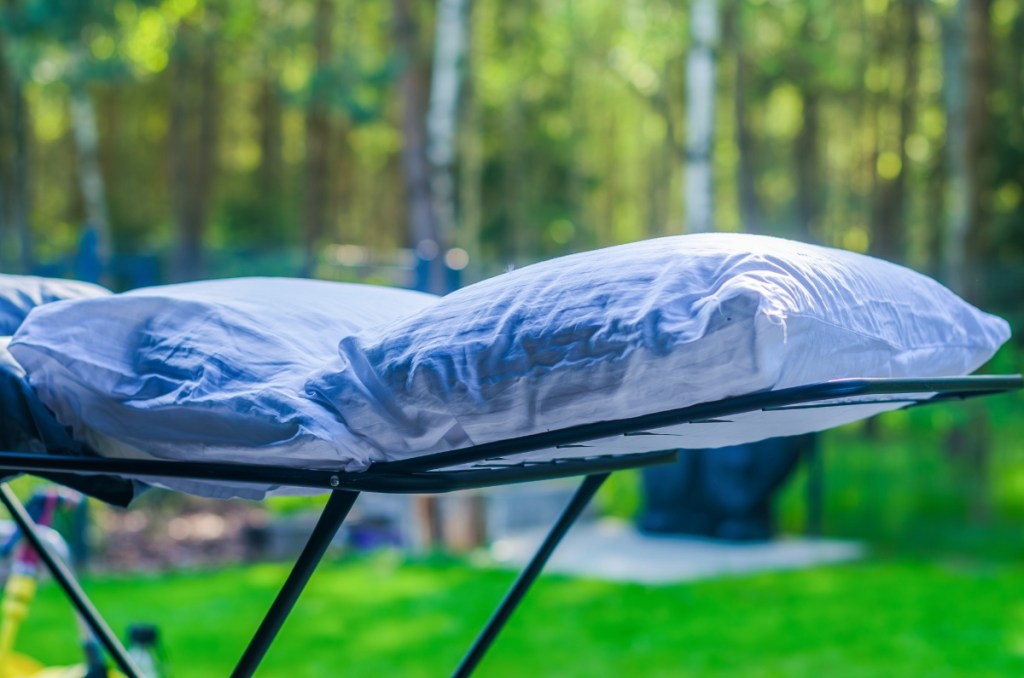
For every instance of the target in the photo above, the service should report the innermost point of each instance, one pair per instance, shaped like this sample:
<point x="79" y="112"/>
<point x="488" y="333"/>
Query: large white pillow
<point x="19" y="294"/>
<point x="209" y="370"/>
<point x="642" y="328"/>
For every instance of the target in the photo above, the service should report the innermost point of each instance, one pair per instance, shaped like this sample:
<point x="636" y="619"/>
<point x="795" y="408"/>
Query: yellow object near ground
<point x="76" y="671"/>
<point x="19" y="666"/>
<point x="19" y="592"/>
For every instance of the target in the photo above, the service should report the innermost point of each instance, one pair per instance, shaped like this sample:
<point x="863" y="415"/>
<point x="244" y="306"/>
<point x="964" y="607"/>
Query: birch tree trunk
<point x="450" y="38"/>
<point x="700" y="116"/>
<point x="318" y="140"/>
<point x="90" y="177"/>
<point x="422" y="225"/>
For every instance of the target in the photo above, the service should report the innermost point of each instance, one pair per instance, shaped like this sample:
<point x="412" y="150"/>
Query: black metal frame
<point x="333" y="516"/>
<point x="66" y="580"/>
<point x="478" y="466"/>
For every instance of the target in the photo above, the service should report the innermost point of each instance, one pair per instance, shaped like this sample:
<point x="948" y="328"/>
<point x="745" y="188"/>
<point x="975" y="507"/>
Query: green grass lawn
<point x="377" y="617"/>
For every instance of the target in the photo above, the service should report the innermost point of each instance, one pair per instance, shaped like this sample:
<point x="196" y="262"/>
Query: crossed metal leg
<point x="64" y="577"/>
<point x="526" y="578"/>
<point x="334" y="514"/>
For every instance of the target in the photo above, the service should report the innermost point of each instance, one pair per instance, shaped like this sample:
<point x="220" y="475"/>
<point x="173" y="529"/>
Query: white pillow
<point x="641" y="328"/>
<point x="19" y="294"/>
<point x="209" y="370"/>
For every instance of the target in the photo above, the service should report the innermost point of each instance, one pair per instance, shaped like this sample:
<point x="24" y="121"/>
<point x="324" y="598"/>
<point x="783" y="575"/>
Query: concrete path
<point x="615" y="551"/>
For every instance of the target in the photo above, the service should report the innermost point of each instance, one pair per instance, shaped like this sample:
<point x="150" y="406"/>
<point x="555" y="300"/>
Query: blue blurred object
<point x="88" y="265"/>
<point x="452" y="279"/>
<point x="422" y="274"/>
<point x="723" y="493"/>
<point x="136" y="270"/>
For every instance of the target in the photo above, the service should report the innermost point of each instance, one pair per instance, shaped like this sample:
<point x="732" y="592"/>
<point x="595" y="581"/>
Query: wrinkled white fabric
<point x="19" y="294"/>
<point x="211" y="370"/>
<point x="642" y="328"/>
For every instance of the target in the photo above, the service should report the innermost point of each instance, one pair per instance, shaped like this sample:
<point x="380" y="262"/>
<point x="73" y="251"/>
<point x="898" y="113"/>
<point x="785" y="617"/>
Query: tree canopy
<point x="242" y="136"/>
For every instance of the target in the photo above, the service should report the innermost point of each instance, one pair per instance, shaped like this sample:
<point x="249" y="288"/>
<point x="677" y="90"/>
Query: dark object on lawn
<point x="723" y="493"/>
<point x="144" y="648"/>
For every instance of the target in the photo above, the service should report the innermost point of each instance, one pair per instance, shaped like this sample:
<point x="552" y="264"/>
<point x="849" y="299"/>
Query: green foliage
<point x="621" y="496"/>
<point x="377" y="617"/>
<point x="900" y="489"/>
<point x="575" y="112"/>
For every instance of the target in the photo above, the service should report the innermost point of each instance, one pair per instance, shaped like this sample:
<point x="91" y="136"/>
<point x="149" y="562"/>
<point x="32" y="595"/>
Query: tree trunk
<point x="967" y="52"/>
<point x="967" y="55"/>
<point x="810" y="183"/>
<point x="749" y="201"/>
<point x="8" y="232"/>
<point x="86" y="137"/>
<point x="318" y="139"/>
<point x="700" y="116"/>
<point x="978" y="126"/>
<point x="191" y="247"/>
<point x="889" y="213"/>
<point x="422" y="225"/>
<point x="471" y="152"/>
<point x="450" y="38"/>
<point x="270" y="174"/>
<point x="658" y="168"/>
<point x="21" y="194"/>
<point x="808" y="167"/>
<point x="1016" y="74"/>
<point x="958" y="191"/>
<point x="934" y="212"/>
<point x="14" y="194"/>
<point x="193" y="137"/>
<point x="179" y="149"/>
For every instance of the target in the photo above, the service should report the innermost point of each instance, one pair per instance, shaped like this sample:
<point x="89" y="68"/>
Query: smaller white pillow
<point x="19" y="294"/>
<point x="208" y="371"/>
<point x="643" y="328"/>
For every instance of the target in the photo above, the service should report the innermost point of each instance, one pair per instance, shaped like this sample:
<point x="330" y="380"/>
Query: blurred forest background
<point x="430" y="143"/>
<point x="427" y="143"/>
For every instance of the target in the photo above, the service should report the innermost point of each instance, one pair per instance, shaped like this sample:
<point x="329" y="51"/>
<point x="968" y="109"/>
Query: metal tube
<point x="840" y="388"/>
<point x="63" y="576"/>
<point x="572" y="511"/>
<point x="397" y="476"/>
<point x="338" y="506"/>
